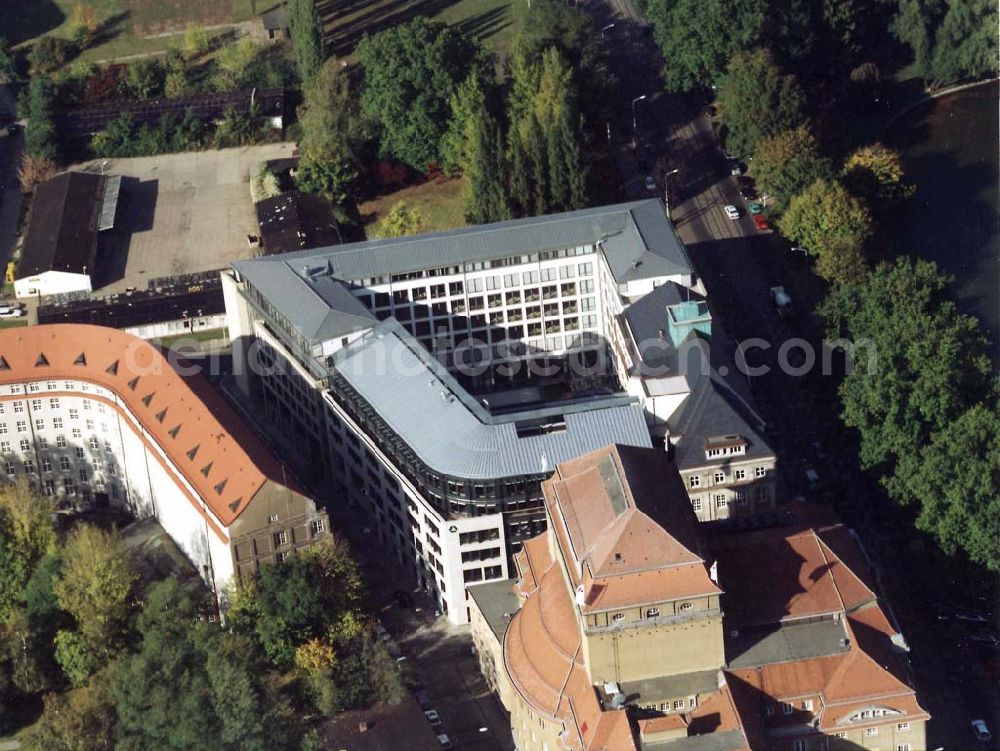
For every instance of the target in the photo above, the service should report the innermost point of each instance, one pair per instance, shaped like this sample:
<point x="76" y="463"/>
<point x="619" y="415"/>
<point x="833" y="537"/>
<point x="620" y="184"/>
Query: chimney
<point x="581" y="596"/>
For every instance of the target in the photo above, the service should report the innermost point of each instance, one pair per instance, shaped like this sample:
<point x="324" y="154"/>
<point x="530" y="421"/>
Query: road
<point x="738" y="266"/>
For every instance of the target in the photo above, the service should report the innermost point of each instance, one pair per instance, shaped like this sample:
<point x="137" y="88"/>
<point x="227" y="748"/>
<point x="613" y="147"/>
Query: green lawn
<point x="13" y="323"/>
<point x="127" y="24"/>
<point x="493" y="22"/>
<point x="441" y="205"/>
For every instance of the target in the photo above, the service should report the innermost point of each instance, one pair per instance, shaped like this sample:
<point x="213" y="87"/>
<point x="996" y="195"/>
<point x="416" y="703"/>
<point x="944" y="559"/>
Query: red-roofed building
<point x="633" y="633"/>
<point x="93" y="415"/>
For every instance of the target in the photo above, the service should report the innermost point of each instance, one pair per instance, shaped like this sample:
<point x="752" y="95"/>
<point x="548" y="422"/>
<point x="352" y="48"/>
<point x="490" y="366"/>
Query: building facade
<point x="436" y="380"/>
<point x="91" y="415"/>
<point x="635" y="632"/>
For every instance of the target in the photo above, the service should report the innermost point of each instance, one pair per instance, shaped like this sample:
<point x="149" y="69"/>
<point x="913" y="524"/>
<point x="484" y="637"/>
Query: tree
<point x="337" y="136"/>
<point x="966" y="42"/>
<point x="196" y="41"/>
<point x="145" y="78"/>
<point x="699" y="37"/>
<point x="93" y="586"/>
<point x="411" y="73"/>
<point x="80" y="720"/>
<point x="486" y="195"/>
<point x="468" y="104"/>
<point x="40" y="135"/>
<point x="956" y="483"/>
<point x="875" y="173"/>
<point x="757" y="100"/>
<point x="35" y="170"/>
<point x="234" y="64"/>
<point x="48" y="54"/>
<point x="307" y="37"/>
<point x="931" y="364"/>
<point x="915" y="24"/>
<point x="842" y="261"/>
<point x="8" y="64"/>
<point x="26" y="535"/>
<point x="825" y="216"/>
<point x="83" y="25"/>
<point x="786" y="163"/>
<point x="401" y="220"/>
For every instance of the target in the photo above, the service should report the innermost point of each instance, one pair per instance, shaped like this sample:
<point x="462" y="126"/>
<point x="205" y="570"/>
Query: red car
<point x="761" y="222"/>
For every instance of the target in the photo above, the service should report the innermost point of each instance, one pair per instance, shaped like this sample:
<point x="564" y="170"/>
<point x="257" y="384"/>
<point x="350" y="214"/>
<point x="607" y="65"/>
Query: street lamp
<point x="607" y="28"/>
<point x="635" y="129"/>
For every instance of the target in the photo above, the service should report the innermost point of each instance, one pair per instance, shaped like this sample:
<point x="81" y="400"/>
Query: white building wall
<point x="74" y="439"/>
<point x="51" y="283"/>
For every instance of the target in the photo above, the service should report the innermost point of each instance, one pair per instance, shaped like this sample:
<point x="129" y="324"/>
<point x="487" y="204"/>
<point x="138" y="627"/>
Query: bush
<point x="196" y="41"/>
<point x="263" y="184"/>
<point x="145" y="78"/>
<point x="35" y="170"/>
<point x="122" y="138"/>
<point x="48" y="55"/>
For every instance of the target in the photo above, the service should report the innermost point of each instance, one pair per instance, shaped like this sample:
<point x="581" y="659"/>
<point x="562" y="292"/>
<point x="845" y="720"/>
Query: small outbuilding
<point x="60" y="247"/>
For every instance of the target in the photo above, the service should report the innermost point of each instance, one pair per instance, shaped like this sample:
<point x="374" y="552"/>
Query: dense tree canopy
<point x="875" y="173"/>
<point x="757" y="100"/>
<point x="956" y="483"/>
<point x="40" y="135"/>
<point x="336" y="134"/>
<point x="26" y="535"/>
<point x="950" y="39"/>
<point x="307" y="37"/>
<point x="411" y="73"/>
<point x="786" y="163"/>
<point x="825" y="219"/>
<point x="698" y="38"/>
<point x="931" y="361"/>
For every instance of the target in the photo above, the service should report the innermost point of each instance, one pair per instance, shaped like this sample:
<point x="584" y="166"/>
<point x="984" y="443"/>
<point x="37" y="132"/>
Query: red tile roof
<point x="805" y="573"/>
<point x="207" y="442"/>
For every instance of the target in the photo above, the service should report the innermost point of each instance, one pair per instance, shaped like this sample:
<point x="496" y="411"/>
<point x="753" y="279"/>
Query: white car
<point x="732" y="212"/>
<point x="432" y="717"/>
<point x="650" y="183"/>
<point x="982" y="732"/>
<point x="6" y="311"/>
<point x="444" y="741"/>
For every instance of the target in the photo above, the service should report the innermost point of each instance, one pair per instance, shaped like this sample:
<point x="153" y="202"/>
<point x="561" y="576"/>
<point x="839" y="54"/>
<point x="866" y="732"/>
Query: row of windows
<point x="482" y="574"/>
<point x="740" y="497"/>
<point x="473" y="266"/>
<point x="719" y="476"/>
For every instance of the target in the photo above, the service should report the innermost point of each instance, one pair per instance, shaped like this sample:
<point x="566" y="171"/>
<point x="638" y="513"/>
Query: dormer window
<point x="618" y="617"/>
<point x="725" y="445"/>
<point x="652" y="612"/>
<point x="686" y="606"/>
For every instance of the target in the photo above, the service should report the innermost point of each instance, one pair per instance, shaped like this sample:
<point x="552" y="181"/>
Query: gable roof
<point x="807" y="577"/>
<point x="62" y="230"/>
<point x="215" y="451"/>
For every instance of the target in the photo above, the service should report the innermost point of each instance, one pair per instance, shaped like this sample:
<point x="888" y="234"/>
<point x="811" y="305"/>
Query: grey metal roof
<point x="646" y="318"/>
<point x="715" y="407"/>
<point x="455" y="435"/>
<point x="767" y="645"/>
<point x="671" y="686"/>
<point x="638" y="241"/>
<point x="728" y="740"/>
<point x="497" y="602"/>
<point x="320" y="309"/>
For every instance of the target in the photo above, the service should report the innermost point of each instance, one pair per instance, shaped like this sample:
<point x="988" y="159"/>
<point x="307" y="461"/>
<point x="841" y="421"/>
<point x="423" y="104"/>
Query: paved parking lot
<point x="179" y="213"/>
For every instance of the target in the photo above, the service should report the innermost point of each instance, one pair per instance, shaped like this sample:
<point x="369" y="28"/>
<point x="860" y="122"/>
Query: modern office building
<point x="92" y="415"/>
<point x="436" y="380"/>
<point x="627" y="630"/>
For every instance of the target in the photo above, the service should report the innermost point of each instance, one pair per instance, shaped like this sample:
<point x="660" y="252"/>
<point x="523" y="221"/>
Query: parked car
<point x="445" y="741"/>
<point x="649" y="183"/>
<point x="423" y="700"/>
<point x="432" y="717"/>
<point x="761" y="223"/>
<point x="782" y="301"/>
<point x="732" y="212"/>
<point x="6" y="311"/>
<point x="755" y="207"/>
<point x="735" y="168"/>
<point x="981" y="731"/>
<point x="403" y="599"/>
